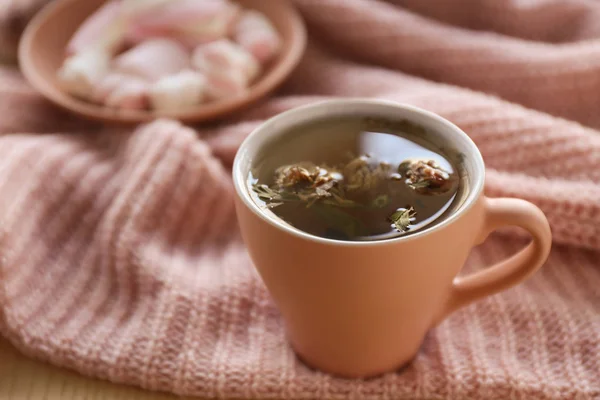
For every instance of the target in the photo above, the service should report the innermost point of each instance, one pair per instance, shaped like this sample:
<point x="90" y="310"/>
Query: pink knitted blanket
<point x="119" y="252"/>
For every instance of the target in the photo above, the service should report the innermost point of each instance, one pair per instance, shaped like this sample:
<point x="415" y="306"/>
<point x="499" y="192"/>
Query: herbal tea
<point x="356" y="178"/>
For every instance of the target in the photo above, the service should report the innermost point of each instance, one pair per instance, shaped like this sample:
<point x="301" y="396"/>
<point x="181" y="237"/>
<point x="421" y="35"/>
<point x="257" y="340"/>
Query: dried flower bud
<point x="291" y="175"/>
<point x="425" y="176"/>
<point x="361" y="176"/>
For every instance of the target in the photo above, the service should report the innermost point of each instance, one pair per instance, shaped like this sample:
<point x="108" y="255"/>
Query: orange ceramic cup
<point x="358" y="309"/>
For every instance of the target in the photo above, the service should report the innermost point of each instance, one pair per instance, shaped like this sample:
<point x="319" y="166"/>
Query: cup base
<point x="352" y="372"/>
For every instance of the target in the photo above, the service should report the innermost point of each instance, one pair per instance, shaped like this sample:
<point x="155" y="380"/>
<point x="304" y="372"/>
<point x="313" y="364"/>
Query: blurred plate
<point x="42" y="51"/>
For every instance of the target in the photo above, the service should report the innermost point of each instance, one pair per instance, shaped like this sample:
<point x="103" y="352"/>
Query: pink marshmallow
<point x="138" y="34"/>
<point x="257" y="35"/>
<point x="262" y="45"/>
<point x="191" y="22"/>
<point x="179" y="12"/>
<point x="224" y="85"/>
<point x="179" y="91"/>
<point x="133" y="8"/>
<point x="109" y="84"/>
<point x="225" y="57"/>
<point x="215" y="28"/>
<point x="131" y="94"/>
<point x="153" y="59"/>
<point x="102" y="28"/>
<point x="82" y="71"/>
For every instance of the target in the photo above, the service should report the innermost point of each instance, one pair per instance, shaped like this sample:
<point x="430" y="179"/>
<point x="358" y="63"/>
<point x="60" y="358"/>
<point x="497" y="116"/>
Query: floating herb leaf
<point x="402" y="218"/>
<point x="265" y="193"/>
<point x="323" y="190"/>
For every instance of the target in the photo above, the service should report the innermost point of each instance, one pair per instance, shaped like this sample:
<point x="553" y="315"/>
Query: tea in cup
<point x="358" y="215"/>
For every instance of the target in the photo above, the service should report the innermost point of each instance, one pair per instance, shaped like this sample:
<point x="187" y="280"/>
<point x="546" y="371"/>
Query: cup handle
<point x="502" y="212"/>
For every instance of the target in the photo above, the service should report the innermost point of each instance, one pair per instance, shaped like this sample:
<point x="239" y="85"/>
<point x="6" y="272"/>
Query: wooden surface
<point x="25" y="379"/>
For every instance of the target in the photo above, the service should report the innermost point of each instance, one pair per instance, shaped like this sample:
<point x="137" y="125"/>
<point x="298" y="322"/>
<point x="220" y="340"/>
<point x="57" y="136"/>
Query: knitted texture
<point x="119" y="252"/>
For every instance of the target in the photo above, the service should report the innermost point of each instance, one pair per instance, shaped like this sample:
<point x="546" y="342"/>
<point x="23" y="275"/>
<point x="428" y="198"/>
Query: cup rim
<point x="265" y="130"/>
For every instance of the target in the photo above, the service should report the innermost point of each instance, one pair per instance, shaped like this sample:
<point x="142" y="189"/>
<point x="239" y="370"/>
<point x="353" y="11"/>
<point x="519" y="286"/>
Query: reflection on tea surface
<point x="356" y="178"/>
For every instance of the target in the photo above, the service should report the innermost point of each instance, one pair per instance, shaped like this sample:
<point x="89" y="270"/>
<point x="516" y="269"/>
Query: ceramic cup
<point x="359" y="309"/>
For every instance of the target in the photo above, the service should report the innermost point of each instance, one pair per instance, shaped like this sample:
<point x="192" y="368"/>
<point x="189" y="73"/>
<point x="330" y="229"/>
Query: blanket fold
<point x="119" y="251"/>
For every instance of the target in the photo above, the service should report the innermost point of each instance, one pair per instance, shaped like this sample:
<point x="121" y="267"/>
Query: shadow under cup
<point x="360" y="308"/>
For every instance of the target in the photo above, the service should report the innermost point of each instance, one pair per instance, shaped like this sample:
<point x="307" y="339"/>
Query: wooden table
<point x="25" y="379"/>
